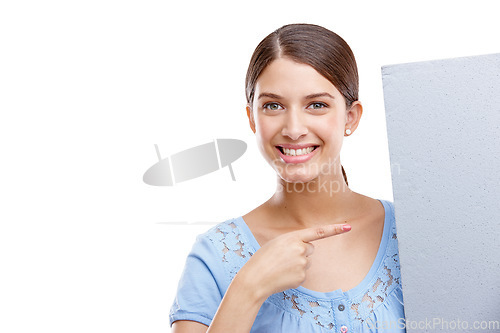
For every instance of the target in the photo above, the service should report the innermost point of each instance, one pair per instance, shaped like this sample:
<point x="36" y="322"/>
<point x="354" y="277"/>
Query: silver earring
<point x="348" y="131"/>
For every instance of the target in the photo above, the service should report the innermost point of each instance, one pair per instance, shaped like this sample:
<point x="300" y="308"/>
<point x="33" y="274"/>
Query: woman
<point x="316" y="256"/>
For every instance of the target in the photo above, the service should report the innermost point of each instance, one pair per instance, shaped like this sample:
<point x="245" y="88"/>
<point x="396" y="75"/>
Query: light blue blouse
<point x="376" y="304"/>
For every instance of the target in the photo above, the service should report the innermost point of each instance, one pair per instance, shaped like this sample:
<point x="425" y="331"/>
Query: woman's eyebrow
<point x="323" y="94"/>
<point x="271" y="95"/>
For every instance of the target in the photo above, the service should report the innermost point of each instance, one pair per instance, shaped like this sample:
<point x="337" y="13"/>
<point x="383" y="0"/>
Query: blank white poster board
<point x="443" y="124"/>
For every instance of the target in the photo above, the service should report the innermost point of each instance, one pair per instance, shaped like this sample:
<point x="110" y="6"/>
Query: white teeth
<point x="297" y="152"/>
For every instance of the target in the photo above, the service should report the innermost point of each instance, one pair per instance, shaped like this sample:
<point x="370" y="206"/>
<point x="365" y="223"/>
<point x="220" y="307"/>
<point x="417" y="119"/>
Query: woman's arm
<point x="236" y="312"/>
<point x="188" y="326"/>
<point x="239" y="306"/>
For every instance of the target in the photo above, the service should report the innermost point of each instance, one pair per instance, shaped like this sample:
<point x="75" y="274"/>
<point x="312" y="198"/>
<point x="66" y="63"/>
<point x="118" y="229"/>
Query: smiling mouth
<point x="296" y="152"/>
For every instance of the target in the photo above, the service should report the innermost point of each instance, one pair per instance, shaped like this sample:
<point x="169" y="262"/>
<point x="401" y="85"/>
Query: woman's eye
<point x="318" y="105"/>
<point x="271" y="106"/>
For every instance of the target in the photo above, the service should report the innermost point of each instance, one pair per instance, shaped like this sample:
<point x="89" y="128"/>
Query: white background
<point x="88" y="87"/>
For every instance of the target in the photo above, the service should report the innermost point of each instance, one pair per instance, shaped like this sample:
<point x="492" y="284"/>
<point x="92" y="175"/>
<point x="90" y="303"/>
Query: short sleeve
<point x="201" y="286"/>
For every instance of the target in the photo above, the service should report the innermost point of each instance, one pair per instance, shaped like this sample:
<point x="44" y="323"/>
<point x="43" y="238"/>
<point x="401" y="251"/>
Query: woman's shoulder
<point x="379" y="209"/>
<point x="388" y="204"/>
<point x="383" y="209"/>
<point x="368" y="201"/>
<point x="229" y="243"/>
<point x="224" y="231"/>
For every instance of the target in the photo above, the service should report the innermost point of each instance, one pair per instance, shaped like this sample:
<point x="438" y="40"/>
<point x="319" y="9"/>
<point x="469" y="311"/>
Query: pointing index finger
<point x="315" y="233"/>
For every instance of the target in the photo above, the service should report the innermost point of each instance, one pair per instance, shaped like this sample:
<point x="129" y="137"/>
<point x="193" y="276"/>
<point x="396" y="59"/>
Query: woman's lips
<point x="297" y="159"/>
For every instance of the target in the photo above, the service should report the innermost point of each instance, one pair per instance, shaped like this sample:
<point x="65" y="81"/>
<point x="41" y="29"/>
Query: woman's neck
<point x="321" y="201"/>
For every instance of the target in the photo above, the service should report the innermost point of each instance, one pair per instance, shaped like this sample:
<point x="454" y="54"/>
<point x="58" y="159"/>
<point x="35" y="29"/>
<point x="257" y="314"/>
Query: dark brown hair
<point x="313" y="45"/>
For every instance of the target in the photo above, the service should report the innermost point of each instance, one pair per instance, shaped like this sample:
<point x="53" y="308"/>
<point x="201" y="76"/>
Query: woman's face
<point x="299" y="119"/>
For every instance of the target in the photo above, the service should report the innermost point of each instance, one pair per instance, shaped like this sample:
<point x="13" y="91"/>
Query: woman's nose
<point x="294" y="125"/>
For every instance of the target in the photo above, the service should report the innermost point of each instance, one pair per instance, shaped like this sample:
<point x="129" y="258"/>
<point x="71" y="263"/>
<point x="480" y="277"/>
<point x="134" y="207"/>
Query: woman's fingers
<point x="308" y="263"/>
<point x="294" y="253"/>
<point x="315" y="233"/>
<point x="309" y="249"/>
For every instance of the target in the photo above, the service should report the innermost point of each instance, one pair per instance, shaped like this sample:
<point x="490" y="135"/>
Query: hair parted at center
<point x="309" y="44"/>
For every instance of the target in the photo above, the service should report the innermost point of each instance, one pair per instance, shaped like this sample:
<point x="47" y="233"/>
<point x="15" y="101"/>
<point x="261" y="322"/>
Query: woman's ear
<point x="250" y="118"/>
<point x="353" y="116"/>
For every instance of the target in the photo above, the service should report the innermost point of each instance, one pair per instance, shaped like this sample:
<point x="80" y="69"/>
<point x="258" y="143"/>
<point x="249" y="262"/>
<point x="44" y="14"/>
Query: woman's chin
<point x="297" y="178"/>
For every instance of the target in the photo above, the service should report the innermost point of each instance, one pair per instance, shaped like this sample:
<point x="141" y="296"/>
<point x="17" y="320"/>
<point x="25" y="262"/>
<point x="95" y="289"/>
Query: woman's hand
<point x="279" y="265"/>
<point x="282" y="262"/>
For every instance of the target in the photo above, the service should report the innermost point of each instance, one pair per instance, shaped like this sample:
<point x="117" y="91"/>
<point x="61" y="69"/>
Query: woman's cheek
<point x="263" y="136"/>
<point x="266" y="129"/>
<point x="330" y="127"/>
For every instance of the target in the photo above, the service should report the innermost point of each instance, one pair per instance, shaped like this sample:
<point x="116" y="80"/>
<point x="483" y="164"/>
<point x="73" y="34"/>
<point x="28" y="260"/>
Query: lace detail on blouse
<point x="387" y="279"/>
<point x="305" y="306"/>
<point x="232" y="244"/>
<point x="235" y="252"/>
